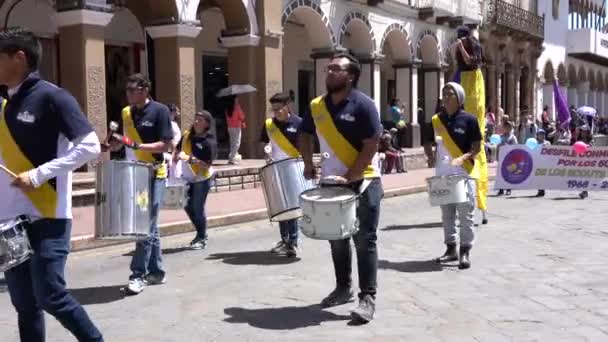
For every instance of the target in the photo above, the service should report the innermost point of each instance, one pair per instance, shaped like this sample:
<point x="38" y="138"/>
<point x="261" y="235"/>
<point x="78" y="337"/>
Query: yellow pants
<point x="475" y="103"/>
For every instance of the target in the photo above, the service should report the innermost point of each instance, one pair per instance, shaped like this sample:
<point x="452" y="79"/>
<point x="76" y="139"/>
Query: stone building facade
<point x="191" y="49"/>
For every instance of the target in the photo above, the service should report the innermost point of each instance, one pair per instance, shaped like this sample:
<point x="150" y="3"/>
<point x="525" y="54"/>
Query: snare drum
<point x="329" y="213"/>
<point x="445" y="190"/>
<point x="176" y="195"/>
<point x="14" y="244"/>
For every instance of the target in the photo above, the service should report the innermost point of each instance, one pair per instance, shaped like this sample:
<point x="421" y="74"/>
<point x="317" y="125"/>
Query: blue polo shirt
<point x="153" y="123"/>
<point x="356" y="118"/>
<point x="463" y="128"/>
<point x="288" y="128"/>
<point x="42" y="120"/>
<point x="203" y="146"/>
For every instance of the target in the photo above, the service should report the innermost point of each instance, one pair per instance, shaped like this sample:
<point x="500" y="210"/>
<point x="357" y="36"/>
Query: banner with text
<point x="552" y="168"/>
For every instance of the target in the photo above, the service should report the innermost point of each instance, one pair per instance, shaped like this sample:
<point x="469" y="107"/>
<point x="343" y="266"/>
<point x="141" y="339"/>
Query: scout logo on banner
<point x="552" y="168"/>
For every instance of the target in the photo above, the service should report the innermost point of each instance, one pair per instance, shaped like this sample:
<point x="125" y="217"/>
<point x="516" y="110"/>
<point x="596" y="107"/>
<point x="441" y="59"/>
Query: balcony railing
<point x="501" y="13"/>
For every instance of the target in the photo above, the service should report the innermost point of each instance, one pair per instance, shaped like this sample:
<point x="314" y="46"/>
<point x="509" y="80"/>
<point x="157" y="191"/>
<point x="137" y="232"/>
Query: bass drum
<point x="122" y="200"/>
<point x="283" y="182"/>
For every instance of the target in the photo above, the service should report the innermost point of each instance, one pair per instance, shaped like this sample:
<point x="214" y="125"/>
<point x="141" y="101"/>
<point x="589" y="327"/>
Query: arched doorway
<point x="572" y="86"/>
<point x="36" y="16"/>
<point x="124" y="55"/>
<point x="396" y="71"/>
<point x="548" y="76"/>
<point x="583" y="86"/>
<point x="357" y="36"/>
<point x="306" y="33"/>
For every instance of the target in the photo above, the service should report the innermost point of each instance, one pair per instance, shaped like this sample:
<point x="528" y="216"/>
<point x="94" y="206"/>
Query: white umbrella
<point x="236" y="89"/>
<point x="587" y="111"/>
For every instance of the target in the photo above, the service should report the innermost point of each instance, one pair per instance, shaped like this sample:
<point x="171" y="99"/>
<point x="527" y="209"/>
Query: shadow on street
<point x="287" y="318"/>
<point x="263" y="258"/>
<point x="98" y="295"/>
<point x="417" y="266"/>
<point x="413" y="226"/>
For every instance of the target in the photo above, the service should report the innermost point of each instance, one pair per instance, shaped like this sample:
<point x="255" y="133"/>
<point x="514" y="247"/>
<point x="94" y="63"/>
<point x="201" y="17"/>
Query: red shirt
<point x="237" y="120"/>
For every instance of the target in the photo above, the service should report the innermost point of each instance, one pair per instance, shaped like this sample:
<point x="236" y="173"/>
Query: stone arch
<point x="398" y="39"/>
<point x="363" y="33"/>
<point x="562" y="75"/>
<point x="163" y="11"/>
<point x="548" y="72"/>
<point x="34" y="15"/>
<point x="428" y="48"/>
<point x="125" y="27"/>
<point x="312" y="16"/>
<point x="239" y="15"/>
<point x="572" y="77"/>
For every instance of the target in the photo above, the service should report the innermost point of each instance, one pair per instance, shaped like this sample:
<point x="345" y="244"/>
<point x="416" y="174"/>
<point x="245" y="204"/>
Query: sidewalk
<point x="233" y="207"/>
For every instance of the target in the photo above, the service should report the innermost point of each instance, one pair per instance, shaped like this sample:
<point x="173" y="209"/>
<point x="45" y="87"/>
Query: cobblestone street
<point x="539" y="274"/>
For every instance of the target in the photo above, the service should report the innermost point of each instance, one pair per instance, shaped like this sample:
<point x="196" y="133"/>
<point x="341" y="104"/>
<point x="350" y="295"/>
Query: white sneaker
<point x="136" y="286"/>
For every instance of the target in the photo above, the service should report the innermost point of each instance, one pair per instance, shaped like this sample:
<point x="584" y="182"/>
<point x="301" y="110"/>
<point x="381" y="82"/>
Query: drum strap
<point x="279" y="138"/>
<point x="342" y="148"/>
<point x="131" y="131"/>
<point x="451" y="146"/>
<point x="44" y="198"/>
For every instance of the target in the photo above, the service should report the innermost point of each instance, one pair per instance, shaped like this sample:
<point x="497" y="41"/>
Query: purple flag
<point x="563" y="114"/>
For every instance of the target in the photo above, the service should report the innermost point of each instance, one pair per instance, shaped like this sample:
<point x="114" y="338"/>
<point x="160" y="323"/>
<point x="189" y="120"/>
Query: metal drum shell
<point x="283" y="181"/>
<point x="123" y="200"/>
<point x="175" y="197"/>
<point x="451" y="189"/>
<point x="15" y="246"/>
<point x="329" y="219"/>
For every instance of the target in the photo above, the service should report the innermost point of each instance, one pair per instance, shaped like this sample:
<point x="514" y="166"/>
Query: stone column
<point x="491" y="88"/>
<point x="432" y="92"/>
<point x="498" y="102"/>
<point x="83" y="71"/>
<point x="517" y="85"/>
<point x="572" y="96"/>
<point x="407" y="89"/>
<point x="370" y="82"/>
<point x="583" y="93"/>
<point x="174" y="55"/>
<point x="510" y="105"/>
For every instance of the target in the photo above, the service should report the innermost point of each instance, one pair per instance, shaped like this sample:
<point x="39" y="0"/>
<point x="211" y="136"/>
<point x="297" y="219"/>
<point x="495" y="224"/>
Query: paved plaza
<point x="539" y="274"/>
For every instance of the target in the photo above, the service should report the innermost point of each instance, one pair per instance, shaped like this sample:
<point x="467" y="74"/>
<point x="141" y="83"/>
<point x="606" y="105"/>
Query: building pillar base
<point x="412" y="135"/>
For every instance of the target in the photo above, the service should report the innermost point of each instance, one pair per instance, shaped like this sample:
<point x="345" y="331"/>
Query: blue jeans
<point x="368" y="213"/>
<point x="38" y="284"/>
<point x="148" y="257"/>
<point x="196" y="206"/>
<point x="289" y="230"/>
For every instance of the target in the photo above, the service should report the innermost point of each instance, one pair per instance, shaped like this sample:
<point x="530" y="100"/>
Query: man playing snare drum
<point x="44" y="136"/>
<point x="348" y="126"/>
<point x="280" y="133"/>
<point x="458" y="139"/>
<point x="147" y="127"/>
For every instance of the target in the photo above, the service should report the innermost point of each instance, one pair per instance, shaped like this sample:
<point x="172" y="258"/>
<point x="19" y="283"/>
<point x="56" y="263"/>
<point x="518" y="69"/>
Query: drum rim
<point x="283" y="212"/>
<point x="352" y="199"/>
<point x="135" y="162"/>
<point x="280" y="161"/>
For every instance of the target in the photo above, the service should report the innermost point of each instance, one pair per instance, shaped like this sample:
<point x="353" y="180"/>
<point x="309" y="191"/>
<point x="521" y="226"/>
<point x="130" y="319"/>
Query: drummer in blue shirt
<point x="280" y="134"/>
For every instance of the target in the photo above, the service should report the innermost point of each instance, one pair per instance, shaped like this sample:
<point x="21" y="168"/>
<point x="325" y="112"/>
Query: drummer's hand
<point x="310" y="172"/>
<point x="183" y="156"/>
<point x="457" y="161"/>
<point x="115" y="145"/>
<point x="23" y="182"/>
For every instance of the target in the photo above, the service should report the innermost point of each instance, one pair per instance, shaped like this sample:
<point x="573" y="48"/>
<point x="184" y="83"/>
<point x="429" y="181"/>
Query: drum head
<point x="328" y="194"/>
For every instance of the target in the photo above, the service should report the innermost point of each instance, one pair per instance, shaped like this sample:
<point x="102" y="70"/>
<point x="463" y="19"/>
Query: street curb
<point x="81" y="243"/>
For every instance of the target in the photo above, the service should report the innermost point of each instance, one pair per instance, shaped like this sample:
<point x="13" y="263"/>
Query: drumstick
<point x="9" y="172"/>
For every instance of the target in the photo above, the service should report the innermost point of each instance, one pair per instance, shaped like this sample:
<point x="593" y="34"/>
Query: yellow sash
<point x="131" y="131"/>
<point x="44" y="198"/>
<point x="452" y="148"/>
<point x="343" y="150"/>
<point x="280" y="139"/>
<point x="187" y="148"/>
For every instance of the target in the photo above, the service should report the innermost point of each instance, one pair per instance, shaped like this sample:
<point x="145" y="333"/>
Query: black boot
<point x="465" y="262"/>
<point x="451" y="254"/>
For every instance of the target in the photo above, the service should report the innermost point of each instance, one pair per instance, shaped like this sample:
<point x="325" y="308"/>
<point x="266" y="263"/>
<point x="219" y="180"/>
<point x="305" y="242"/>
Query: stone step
<point x="228" y="177"/>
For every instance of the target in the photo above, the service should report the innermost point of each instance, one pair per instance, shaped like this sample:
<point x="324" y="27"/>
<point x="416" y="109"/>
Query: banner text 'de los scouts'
<point x="552" y="168"/>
